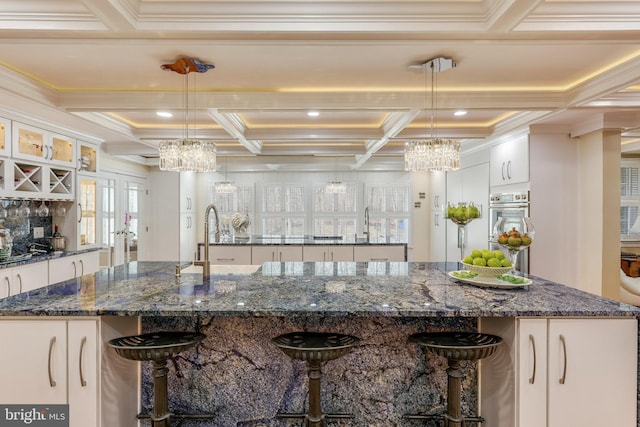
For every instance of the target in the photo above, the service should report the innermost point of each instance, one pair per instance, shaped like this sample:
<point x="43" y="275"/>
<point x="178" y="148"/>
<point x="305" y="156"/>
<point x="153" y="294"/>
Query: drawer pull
<point x="564" y="363"/>
<point x="52" y="342"/>
<point x="83" y="382"/>
<point x="225" y="259"/>
<point x="379" y="259"/>
<point x="532" y="379"/>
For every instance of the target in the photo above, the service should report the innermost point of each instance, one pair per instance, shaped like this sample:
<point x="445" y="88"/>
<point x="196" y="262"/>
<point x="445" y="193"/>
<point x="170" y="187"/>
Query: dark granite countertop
<point x="395" y="289"/>
<point x="302" y="240"/>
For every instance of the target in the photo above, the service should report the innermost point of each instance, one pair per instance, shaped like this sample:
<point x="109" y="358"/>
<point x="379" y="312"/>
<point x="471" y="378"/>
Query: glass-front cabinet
<point x="5" y="137"/>
<point x="87" y="211"/>
<point x="31" y="143"/>
<point x="87" y="157"/>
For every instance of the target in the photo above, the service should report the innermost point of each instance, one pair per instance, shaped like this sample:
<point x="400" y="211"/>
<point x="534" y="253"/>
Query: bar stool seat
<point x="455" y="347"/>
<point x="157" y="347"/>
<point x="315" y="348"/>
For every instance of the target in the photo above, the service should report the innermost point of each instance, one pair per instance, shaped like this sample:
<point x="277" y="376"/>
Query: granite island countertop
<point x="297" y="289"/>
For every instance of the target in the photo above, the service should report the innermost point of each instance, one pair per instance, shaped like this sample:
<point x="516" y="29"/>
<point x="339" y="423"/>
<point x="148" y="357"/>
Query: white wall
<point x="553" y="171"/>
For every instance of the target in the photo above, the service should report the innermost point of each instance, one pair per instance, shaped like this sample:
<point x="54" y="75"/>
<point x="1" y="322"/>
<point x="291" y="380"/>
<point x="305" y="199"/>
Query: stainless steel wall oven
<point x="509" y="205"/>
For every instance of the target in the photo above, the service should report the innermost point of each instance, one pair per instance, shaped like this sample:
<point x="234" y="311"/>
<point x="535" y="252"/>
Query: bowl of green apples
<point x="487" y="263"/>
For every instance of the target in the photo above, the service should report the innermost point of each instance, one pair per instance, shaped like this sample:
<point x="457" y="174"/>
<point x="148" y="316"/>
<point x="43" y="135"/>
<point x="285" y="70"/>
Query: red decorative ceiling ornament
<point x="188" y="65"/>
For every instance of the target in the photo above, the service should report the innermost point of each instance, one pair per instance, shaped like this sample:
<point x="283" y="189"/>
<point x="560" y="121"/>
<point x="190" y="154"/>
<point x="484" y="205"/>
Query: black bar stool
<point x="456" y="347"/>
<point x="315" y="348"/>
<point x="157" y="347"/>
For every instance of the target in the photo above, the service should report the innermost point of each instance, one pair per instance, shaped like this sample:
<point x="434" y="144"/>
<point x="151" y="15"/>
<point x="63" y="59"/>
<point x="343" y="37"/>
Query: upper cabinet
<point x="510" y="162"/>
<point x="87" y="158"/>
<point x="5" y="137"/>
<point x="31" y="143"/>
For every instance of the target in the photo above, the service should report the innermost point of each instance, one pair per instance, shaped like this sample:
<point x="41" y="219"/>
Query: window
<point x="629" y="199"/>
<point x="283" y="210"/>
<point x="228" y="204"/>
<point x="388" y="213"/>
<point x="335" y="214"/>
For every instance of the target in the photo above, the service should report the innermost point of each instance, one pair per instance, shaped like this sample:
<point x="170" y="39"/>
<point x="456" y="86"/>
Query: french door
<point x="122" y="221"/>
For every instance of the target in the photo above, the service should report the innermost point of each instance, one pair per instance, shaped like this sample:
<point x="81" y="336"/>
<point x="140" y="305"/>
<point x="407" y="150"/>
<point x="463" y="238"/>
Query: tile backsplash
<point x="21" y="228"/>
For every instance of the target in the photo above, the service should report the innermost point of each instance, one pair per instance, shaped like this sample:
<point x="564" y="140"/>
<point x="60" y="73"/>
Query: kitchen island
<point x="240" y="377"/>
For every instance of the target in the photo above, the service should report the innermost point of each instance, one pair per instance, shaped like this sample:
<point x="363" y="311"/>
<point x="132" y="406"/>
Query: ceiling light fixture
<point x="188" y="154"/>
<point x="226" y="186"/>
<point x="460" y="113"/>
<point x="313" y="113"/>
<point x="165" y="114"/>
<point x="434" y="154"/>
<point x="336" y="187"/>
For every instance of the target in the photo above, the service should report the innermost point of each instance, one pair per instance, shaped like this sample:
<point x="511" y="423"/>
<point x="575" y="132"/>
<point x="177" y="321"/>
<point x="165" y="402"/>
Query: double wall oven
<point x="513" y="205"/>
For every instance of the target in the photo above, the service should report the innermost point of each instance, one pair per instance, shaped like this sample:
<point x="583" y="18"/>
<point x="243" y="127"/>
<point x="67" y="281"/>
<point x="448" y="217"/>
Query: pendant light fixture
<point x="225" y="187"/>
<point x="188" y="154"/>
<point x="336" y="187"/>
<point x="434" y="154"/>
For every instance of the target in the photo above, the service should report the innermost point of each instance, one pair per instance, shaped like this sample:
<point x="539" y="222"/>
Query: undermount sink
<point x="244" y="269"/>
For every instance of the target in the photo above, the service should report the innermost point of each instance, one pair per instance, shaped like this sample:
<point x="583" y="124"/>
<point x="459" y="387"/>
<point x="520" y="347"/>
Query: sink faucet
<point x="206" y="269"/>
<point x="366" y="222"/>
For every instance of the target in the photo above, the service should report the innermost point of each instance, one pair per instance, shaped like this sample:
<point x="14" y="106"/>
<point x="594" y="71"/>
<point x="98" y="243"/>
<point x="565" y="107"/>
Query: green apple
<point x="480" y="261"/>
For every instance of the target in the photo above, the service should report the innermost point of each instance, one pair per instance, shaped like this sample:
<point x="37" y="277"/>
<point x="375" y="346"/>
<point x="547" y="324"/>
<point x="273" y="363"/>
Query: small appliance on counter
<point x="57" y="241"/>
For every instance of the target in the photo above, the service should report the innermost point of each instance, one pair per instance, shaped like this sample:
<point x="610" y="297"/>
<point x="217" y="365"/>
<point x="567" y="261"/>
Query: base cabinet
<point x="284" y="253"/>
<point x="70" y="267"/>
<point x="561" y="372"/>
<point x="327" y="253"/>
<point x="58" y="361"/>
<point x="379" y="253"/>
<point x="25" y="278"/>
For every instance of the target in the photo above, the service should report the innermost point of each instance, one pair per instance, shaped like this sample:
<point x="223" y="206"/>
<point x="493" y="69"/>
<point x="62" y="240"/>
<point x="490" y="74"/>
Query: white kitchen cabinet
<point x="24" y="278"/>
<point x="31" y="143"/>
<point x="561" y="372"/>
<point x="58" y="361"/>
<point x="5" y="137"/>
<point x="466" y="185"/>
<point x="30" y="276"/>
<point x="72" y="266"/>
<point x="88" y="157"/>
<point x="275" y="253"/>
<point x="30" y="180"/>
<point x="330" y="253"/>
<point x="380" y="253"/>
<point x="33" y="362"/>
<point x="228" y="255"/>
<point x="510" y="162"/>
<point x="437" y="237"/>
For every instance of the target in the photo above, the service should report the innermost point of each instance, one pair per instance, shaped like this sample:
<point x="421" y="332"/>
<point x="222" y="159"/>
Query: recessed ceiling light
<point x="460" y="113"/>
<point x="164" y="114"/>
<point x="313" y="113"/>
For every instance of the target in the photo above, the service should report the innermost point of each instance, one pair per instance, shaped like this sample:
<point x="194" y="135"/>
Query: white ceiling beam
<point x="112" y="13"/>
<point x="393" y="124"/>
<point x="236" y="128"/>
<point x="510" y="13"/>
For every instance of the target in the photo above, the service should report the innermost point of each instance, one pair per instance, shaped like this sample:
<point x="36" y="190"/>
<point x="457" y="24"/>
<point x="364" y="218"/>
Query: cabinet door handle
<point x="52" y="342"/>
<point x="532" y="341"/>
<point x="280" y="256"/>
<point x="564" y="360"/>
<point x="503" y="178"/>
<point x="81" y="268"/>
<point x="6" y="279"/>
<point x="19" y="281"/>
<point x="509" y="169"/>
<point x="80" y="216"/>
<point x="379" y="259"/>
<point x="75" y="270"/>
<point x="225" y="259"/>
<point x="45" y="151"/>
<point x="83" y="382"/>
<point x="331" y="256"/>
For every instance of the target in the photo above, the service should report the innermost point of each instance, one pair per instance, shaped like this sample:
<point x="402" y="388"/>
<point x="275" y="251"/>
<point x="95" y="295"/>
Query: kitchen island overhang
<point x="236" y="372"/>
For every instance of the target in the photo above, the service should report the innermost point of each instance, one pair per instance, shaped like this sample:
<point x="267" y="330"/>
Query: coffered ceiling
<point x="94" y="66"/>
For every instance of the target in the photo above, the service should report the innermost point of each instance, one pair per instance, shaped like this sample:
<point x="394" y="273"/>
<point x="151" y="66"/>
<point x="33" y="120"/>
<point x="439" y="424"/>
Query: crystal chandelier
<point x="187" y="154"/>
<point x="434" y="154"/>
<point x="336" y="187"/>
<point x="226" y="186"/>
